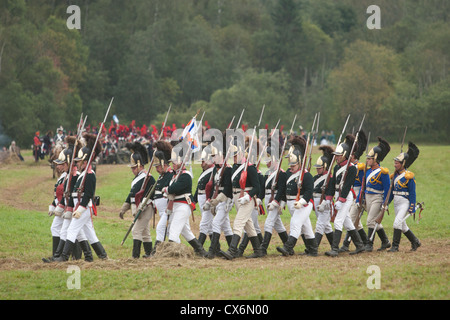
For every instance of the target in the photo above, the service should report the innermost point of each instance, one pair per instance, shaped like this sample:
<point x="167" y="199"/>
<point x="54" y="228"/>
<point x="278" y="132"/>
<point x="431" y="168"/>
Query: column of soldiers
<point x="338" y="195"/>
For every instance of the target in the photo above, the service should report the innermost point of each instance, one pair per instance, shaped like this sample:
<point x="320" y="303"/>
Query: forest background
<point x="293" y="56"/>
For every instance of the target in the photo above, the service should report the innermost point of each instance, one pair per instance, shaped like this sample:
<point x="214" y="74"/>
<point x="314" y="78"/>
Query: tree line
<point x="293" y="56"/>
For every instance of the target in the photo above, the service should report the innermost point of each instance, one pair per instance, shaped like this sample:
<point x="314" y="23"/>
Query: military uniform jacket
<point x="405" y="186"/>
<point x="291" y="185"/>
<point x="182" y="187"/>
<point x="163" y="181"/>
<point x="204" y="178"/>
<point x="280" y="188"/>
<point x="377" y="182"/>
<point x="225" y="184"/>
<point x="252" y="183"/>
<point x="57" y="191"/>
<point x="359" y="174"/>
<point x="89" y="187"/>
<point x="319" y="181"/>
<point x="71" y="189"/>
<point x="136" y="186"/>
<point x="338" y="175"/>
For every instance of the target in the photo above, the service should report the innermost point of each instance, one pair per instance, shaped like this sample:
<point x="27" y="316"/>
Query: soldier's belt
<point x="288" y="197"/>
<point x="238" y="190"/>
<point x="317" y="195"/>
<point x="369" y="189"/>
<point x="183" y="197"/>
<point x="201" y="191"/>
<point x="400" y="193"/>
<point x="75" y="194"/>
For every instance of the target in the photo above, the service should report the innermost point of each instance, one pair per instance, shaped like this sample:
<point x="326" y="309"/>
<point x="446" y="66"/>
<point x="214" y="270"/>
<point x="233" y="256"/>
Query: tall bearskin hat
<point x="237" y="144"/>
<point x="139" y="155"/>
<point x="297" y="150"/>
<point x="380" y="151"/>
<point x="345" y="147"/>
<point x="85" y="152"/>
<point x="179" y="152"/>
<point x="163" y="153"/>
<point x="272" y="153"/>
<point x="361" y="145"/>
<point x="255" y="148"/>
<point x="66" y="154"/>
<point x="324" y="161"/>
<point x="407" y="158"/>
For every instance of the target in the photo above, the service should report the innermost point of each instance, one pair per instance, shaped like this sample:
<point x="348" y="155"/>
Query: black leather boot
<point x="202" y="238"/>
<point x="385" y="243"/>
<point x="257" y="251"/>
<point x="318" y="238"/>
<point x="77" y="251"/>
<point x="356" y="241"/>
<point x="288" y="248"/>
<point x="369" y="244"/>
<point x="345" y="244"/>
<point x="363" y="235"/>
<point x="55" y="242"/>
<point x="232" y="251"/>
<point x="214" y="247"/>
<point x="312" y="246"/>
<point x="265" y="242"/>
<point x="99" y="250"/>
<point x="86" y="248"/>
<point x="415" y="243"/>
<point x="283" y="236"/>
<point x="198" y="248"/>
<point x="335" y="246"/>
<point x="396" y="240"/>
<point x="148" y="247"/>
<point x="66" y="252"/>
<point x="136" y="252"/>
<point x="243" y="245"/>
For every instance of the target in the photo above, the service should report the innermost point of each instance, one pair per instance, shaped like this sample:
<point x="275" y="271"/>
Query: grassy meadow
<point x="26" y="190"/>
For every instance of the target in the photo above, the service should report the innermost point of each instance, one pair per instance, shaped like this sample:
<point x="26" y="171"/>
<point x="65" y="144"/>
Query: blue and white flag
<point x="190" y="133"/>
<point x="116" y="120"/>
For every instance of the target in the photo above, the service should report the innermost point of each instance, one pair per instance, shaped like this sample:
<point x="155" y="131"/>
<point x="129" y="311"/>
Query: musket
<point x="421" y="206"/>
<point x="328" y="176"/>
<point x="275" y="180"/>
<point x="83" y="180"/>
<point x="344" y="175"/>
<point x="266" y="145"/>
<point x="302" y="169"/>
<point x="69" y="177"/>
<point x="385" y="205"/>
<point x="363" y="189"/>
<point x="140" y="193"/>
<point x="312" y="142"/>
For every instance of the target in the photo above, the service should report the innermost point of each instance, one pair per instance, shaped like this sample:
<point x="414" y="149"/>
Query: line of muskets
<point x="143" y="199"/>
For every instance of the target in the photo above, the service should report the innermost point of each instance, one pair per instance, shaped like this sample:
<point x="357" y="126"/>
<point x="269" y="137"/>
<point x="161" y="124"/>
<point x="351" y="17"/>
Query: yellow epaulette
<point x="391" y="176"/>
<point x="384" y="170"/>
<point x="361" y="166"/>
<point x="409" y="175"/>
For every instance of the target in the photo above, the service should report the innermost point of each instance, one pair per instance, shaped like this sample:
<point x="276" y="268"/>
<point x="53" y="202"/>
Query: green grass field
<point x="26" y="191"/>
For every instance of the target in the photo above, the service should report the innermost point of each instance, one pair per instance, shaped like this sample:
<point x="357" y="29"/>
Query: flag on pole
<point x="116" y="120"/>
<point x="190" y="133"/>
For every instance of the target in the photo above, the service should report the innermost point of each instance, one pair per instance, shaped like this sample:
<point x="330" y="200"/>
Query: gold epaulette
<point x="409" y="175"/>
<point x="361" y="165"/>
<point x="384" y="170"/>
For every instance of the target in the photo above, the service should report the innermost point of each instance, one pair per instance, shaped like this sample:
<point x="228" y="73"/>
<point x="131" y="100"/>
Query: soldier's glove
<point x="165" y="192"/>
<point x="59" y="210"/>
<point x="125" y="207"/>
<point x="207" y="205"/>
<point x="325" y="205"/>
<point x="338" y="205"/>
<point x="228" y="205"/>
<point x="51" y="210"/>
<point x="273" y="205"/>
<point x="78" y="212"/>
<point x="68" y="213"/>
<point x="300" y="203"/>
<point x="244" y="199"/>
<point x="221" y="197"/>
<point x="133" y="209"/>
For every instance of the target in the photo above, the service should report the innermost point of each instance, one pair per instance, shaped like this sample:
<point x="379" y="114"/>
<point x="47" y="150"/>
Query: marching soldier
<point x="161" y="163"/>
<point x="200" y="196"/>
<point x="222" y="203"/>
<point x="82" y="216"/>
<point x="344" y="196"/>
<point x="245" y="203"/>
<point x="141" y="229"/>
<point x="301" y="209"/>
<point x="354" y="210"/>
<point x="323" y="211"/>
<point x="179" y="193"/>
<point x="377" y="188"/>
<point x="274" y="202"/>
<point x="404" y="196"/>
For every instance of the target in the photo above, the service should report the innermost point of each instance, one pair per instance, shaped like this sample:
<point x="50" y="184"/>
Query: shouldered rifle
<point x="344" y="175"/>
<point x="363" y="189"/>
<point x="312" y="142"/>
<point x="80" y="129"/>
<point x="140" y="193"/>
<point x="275" y="180"/>
<point x="91" y="156"/>
<point x="265" y="146"/>
<point x="302" y="170"/>
<point x="327" y="180"/>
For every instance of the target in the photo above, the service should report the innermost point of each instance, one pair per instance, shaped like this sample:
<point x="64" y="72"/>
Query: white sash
<point x="241" y="167"/>
<point x="206" y="172"/>
<point x="139" y="177"/>
<point x="399" y="177"/>
<point x="318" y="181"/>
<point x="374" y="172"/>
<point x="272" y="175"/>
<point x="294" y="176"/>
